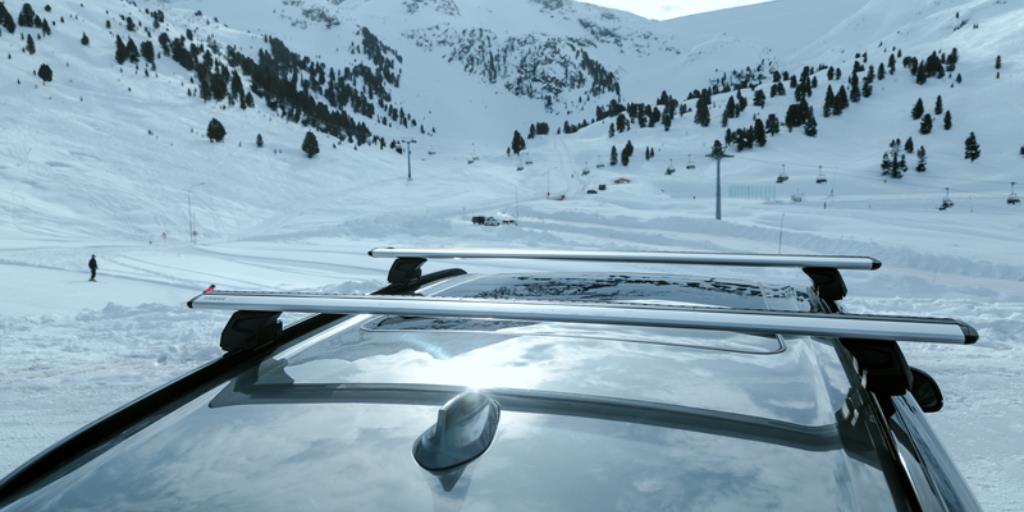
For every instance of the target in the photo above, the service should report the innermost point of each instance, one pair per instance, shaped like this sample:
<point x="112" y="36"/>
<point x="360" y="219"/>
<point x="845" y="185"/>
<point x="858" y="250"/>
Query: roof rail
<point x="677" y="258"/>
<point x="823" y="270"/>
<point x="846" y="327"/>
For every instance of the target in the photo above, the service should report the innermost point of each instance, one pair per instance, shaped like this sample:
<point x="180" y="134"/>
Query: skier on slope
<point x="93" y="267"/>
<point x="210" y="289"/>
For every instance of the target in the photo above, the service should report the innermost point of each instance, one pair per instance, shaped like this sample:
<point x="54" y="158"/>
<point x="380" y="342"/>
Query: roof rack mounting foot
<point x="828" y="284"/>
<point x="250" y="329"/>
<point x="405" y="271"/>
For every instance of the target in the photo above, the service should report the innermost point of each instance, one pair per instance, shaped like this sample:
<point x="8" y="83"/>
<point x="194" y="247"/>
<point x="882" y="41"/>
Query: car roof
<point x="599" y="418"/>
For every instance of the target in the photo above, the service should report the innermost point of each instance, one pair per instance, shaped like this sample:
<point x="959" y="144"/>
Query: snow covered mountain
<point x="107" y="157"/>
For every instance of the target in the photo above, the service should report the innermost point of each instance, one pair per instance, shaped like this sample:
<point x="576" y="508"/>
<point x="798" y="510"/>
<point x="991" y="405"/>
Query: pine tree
<point x="886" y="164"/>
<point x="811" y="125"/>
<point x="614" y="158"/>
<point x="938" y="105"/>
<point x="259" y="140"/>
<point x="148" y="52"/>
<point x="881" y="72"/>
<point x="120" y="51"/>
<point x="759" y="133"/>
<point x="45" y="73"/>
<point x="85" y="39"/>
<point x="717" y="149"/>
<point x="310" y="146"/>
<point x="972" y="151"/>
<point x="947" y="123"/>
<point x="772" y="125"/>
<point x="133" y="51"/>
<point x="729" y="112"/>
<point x="926" y="124"/>
<point x="27" y="16"/>
<point x="627" y="153"/>
<point x="215" y="131"/>
<point x="830" y="99"/>
<point x="6" y="20"/>
<point x="518" y="143"/>
<point x="759" y="98"/>
<point x="855" y="89"/>
<point x="703" y="114"/>
<point x="842" y="101"/>
<point x="30" y="45"/>
<point x="909" y="146"/>
<point x="918" y="110"/>
<point x="922" y="160"/>
<point x="999" y="62"/>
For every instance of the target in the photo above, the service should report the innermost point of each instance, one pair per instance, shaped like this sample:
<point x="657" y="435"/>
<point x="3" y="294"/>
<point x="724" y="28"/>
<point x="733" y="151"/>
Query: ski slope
<point x="100" y="161"/>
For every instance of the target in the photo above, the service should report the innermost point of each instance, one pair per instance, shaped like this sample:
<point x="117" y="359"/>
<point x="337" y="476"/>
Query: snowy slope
<point x="100" y="161"/>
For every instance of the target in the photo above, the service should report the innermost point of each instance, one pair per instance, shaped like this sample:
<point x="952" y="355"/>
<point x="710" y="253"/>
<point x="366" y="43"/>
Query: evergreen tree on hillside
<point x="918" y="110"/>
<point x="972" y="151"/>
<point x="926" y="124"/>
<point x="518" y="143"/>
<point x="259" y="140"/>
<point x="30" y="45"/>
<point x="120" y="51"/>
<point x="148" y="52"/>
<point x="909" y="146"/>
<point x="830" y="100"/>
<point x="729" y="112"/>
<point x="759" y="98"/>
<point x="999" y="62"/>
<point x="811" y="125"/>
<point x="133" y="51"/>
<point x="881" y="72"/>
<point x="855" y="89"/>
<point x="614" y="160"/>
<point x="27" y="17"/>
<point x="938" y="105"/>
<point x="947" y="122"/>
<point x="310" y="146"/>
<point x="6" y="20"/>
<point x="772" y="125"/>
<point x="922" y="160"/>
<point x="45" y="73"/>
<point x="627" y="153"/>
<point x="85" y="39"/>
<point x="215" y="131"/>
<point x="717" y="149"/>
<point x="759" y="133"/>
<point x="703" y="114"/>
<point x="842" y="101"/>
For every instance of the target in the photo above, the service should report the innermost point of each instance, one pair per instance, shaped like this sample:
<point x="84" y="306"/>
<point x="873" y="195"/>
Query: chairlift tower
<point x="408" y="154"/>
<point x="717" y="154"/>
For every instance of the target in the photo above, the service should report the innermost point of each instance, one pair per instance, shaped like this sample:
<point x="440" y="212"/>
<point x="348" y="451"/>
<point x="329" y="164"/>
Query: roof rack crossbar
<point x="677" y="258"/>
<point x="842" y="326"/>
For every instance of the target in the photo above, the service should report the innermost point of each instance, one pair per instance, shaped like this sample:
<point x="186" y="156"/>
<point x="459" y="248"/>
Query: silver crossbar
<point x="855" y="327"/>
<point x="679" y="258"/>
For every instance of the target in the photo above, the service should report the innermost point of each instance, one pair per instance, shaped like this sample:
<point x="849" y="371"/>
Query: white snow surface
<point x="99" y="160"/>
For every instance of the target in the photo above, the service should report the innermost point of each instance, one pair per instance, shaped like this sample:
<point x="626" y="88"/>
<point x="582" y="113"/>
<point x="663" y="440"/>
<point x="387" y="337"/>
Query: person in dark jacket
<point x="93" y="267"/>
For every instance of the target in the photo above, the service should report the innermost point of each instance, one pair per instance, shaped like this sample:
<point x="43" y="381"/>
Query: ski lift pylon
<point x="782" y="177"/>
<point x="821" y="177"/>
<point x="1013" y="199"/>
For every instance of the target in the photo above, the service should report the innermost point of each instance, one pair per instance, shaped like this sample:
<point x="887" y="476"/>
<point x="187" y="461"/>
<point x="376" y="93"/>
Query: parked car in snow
<point x="588" y="390"/>
<point x="498" y="219"/>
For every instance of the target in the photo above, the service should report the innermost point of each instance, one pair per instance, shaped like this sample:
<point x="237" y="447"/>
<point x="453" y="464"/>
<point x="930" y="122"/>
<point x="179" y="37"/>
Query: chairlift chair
<point x="798" y="197"/>
<point x="821" y="177"/>
<point x="689" y="164"/>
<point x="782" y="177"/>
<point x="671" y="169"/>
<point x="947" y="203"/>
<point x="1013" y="199"/>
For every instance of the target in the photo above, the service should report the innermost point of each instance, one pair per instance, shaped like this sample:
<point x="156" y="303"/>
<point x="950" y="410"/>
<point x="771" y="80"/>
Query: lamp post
<point x="191" y="219"/>
<point x="408" y="152"/>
